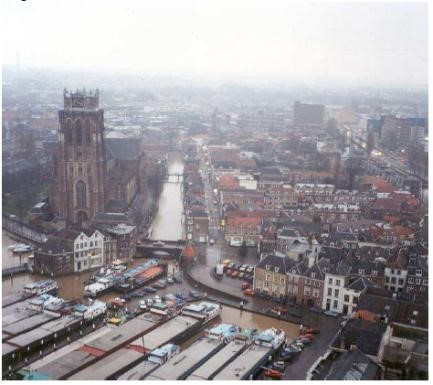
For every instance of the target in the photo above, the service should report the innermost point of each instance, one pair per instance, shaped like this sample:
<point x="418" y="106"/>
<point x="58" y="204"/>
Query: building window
<point x="335" y="304"/>
<point x="81" y="192"/>
<point x="336" y="292"/>
<point x="337" y="282"/>
<point x="79" y="131"/>
<point x="329" y="291"/>
<point x="330" y="281"/>
<point x="346" y="298"/>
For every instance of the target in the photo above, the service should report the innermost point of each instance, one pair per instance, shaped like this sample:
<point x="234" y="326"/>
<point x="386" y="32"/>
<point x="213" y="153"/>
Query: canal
<point x="168" y="223"/>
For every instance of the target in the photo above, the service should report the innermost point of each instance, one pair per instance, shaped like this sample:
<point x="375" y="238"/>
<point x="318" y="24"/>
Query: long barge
<point x="249" y="362"/>
<point x="175" y="330"/>
<point x="155" y="358"/>
<point x="18" y="350"/>
<point x="86" y="351"/>
<point x="220" y="360"/>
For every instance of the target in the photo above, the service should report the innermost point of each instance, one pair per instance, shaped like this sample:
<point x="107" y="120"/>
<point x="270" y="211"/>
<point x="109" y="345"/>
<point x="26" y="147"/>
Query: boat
<point x="43" y="301"/>
<point x="223" y="332"/>
<point x="20" y="248"/>
<point x="94" y="310"/>
<point x="272" y="338"/>
<point x="205" y="311"/>
<point x="41" y="287"/>
<point x="161" y="355"/>
<point x="273" y="373"/>
<point x="101" y="286"/>
<point x="160" y="308"/>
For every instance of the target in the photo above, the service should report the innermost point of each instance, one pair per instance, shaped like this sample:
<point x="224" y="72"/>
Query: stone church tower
<point x="81" y="166"/>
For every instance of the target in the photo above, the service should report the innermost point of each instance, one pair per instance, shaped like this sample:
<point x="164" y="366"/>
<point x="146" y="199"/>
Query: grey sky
<point x="346" y="43"/>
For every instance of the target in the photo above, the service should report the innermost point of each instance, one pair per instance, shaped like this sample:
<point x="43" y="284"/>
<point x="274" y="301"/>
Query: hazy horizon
<point x="346" y="44"/>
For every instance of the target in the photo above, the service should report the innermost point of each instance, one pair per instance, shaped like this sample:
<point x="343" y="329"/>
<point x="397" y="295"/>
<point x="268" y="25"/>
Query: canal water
<point x="168" y="223"/>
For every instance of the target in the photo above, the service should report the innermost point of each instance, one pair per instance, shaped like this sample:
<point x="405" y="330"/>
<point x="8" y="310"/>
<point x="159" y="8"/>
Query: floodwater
<point x="168" y="223"/>
<point x="8" y="258"/>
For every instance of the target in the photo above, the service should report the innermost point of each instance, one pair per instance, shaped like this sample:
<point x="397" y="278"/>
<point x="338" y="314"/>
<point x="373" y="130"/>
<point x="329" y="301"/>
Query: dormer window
<point x="277" y="269"/>
<point x="313" y="275"/>
<point x="268" y="267"/>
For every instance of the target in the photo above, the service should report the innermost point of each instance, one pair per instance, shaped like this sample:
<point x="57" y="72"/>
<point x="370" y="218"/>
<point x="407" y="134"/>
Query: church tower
<point x="81" y="167"/>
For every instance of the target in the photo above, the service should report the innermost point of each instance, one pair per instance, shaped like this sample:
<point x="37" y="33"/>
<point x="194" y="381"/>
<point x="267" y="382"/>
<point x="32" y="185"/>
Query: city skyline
<point x="316" y="43"/>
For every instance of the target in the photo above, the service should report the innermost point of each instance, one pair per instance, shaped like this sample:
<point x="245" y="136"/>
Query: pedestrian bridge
<point x="160" y="249"/>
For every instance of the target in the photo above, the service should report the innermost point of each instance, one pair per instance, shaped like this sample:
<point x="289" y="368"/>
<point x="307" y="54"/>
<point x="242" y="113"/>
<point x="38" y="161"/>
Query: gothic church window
<point x="81" y="194"/>
<point x="79" y="132"/>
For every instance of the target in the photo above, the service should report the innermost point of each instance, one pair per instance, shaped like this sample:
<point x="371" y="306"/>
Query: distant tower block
<point x="81" y="167"/>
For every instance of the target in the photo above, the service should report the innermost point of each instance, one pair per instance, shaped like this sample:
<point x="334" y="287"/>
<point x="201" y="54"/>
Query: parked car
<point x="170" y="280"/>
<point x="243" y="268"/>
<point x="148" y="289"/>
<point x="142" y="305"/>
<point x="241" y="274"/>
<point x="245" y="286"/>
<point x="235" y="273"/>
<point x="228" y="272"/>
<point x="177" y="279"/>
<point x="250" y="269"/>
<point x="331" y="313"/>
<point x="169" y="297"/>
<point x="249" y="292"/>
<point x="180" y="296"/>
<point x="194" y="294"/>
<point x="157" y="299"/>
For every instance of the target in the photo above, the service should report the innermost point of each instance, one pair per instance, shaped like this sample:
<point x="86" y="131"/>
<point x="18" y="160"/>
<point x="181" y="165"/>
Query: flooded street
<point x="168" y="223"/>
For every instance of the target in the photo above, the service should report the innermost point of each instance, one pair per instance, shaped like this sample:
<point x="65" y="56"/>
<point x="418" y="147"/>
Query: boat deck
<point x="180" y="366"/>
<point x="138" y="372"/>
<point x="27" y="324"/>
<point x="166" y="332"/>
<point x="245" y="364"/>
<point x="109" y="365"/>
<point x="212" y="366"/>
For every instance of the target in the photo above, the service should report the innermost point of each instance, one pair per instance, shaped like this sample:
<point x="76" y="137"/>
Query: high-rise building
<point x="81" y="167"/>
<point x="309" y="116"/>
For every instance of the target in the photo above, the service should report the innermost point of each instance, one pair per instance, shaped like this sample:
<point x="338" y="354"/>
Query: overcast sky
<point x="346" y="43"/>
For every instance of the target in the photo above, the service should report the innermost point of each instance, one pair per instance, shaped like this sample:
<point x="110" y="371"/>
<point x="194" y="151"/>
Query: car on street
<point x="250" y="269"/>
<point x="157" y="299"/>
<point x="245" y="286"/>
<point x="194" y="294"/>
<point x="241" y="274"/>
<point x="169" y="297"/>
<point x="142" y="305"/>
<point x="211" y="241"/>
<point x="170" y="280"/>
<point x="231" y="265"/>
<point x="177" y="279"/>
<point x="227" y="262"/>
<point x="148" y="289"/>
<point x="235" y="273"/>
<point x="249" y="292"/>
<point x="228" y="272"/>
<point x="180" y="295"/>
<point x="243" y="268"/>
<point x="331" y="313"/>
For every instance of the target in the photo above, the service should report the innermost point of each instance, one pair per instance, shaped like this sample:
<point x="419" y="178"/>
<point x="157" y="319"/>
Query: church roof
<point x="123" y="148"/>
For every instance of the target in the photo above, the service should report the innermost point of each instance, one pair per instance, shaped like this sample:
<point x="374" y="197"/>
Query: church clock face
<point x="78" y="102"/>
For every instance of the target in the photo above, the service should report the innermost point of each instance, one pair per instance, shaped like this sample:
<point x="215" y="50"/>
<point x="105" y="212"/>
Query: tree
<point x="243" y="249"/>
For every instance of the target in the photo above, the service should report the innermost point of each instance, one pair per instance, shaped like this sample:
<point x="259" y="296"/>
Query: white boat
<point x="45" y="301"/>
<point x="205" y="311"/>
<point x="99" y="287"/>
<point x="272" y="338"/>
<point x="21" y="248"/>
<point x="41" y="287"/>
<point x="223" y="332"/>
<point x="92" y="311"/>
<point x="161" y="355"/>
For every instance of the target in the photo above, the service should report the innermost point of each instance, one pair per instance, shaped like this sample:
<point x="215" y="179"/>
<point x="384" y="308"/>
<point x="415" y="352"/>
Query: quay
<point x="175" y="330"/>
<point x="216" y="363"/>
<point x="181" y="366"/>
